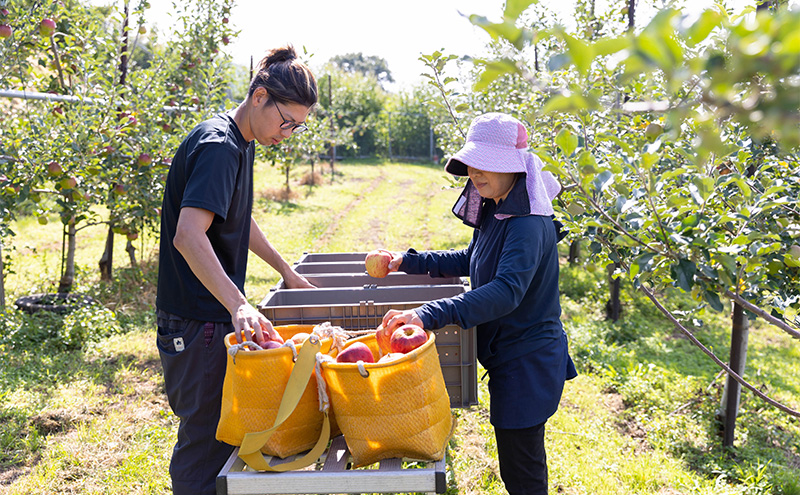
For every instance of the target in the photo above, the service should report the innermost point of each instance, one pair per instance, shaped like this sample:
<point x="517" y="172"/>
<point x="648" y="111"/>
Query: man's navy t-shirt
<point x="212" y="170"/>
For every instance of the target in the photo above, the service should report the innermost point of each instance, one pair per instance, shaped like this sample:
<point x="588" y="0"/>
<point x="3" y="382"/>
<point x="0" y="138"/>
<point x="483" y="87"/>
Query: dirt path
<point x="334" y="225"/>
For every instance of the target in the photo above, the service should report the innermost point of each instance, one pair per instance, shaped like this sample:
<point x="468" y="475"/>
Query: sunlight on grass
<point x="639" y="419"/>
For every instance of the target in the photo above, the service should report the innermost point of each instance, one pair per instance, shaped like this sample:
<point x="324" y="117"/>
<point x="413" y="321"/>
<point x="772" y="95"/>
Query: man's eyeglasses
<point x="288" y="124"/>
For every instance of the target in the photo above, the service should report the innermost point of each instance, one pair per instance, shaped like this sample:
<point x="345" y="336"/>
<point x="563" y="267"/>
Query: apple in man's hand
<point x="377" y="263"/>
<point x="270" y="344"/>
<point x="407" y="338"/>
<point x="355" y="352"/>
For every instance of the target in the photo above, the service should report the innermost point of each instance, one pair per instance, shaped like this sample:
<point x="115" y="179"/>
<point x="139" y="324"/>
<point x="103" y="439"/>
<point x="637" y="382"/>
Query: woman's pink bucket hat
<point x="496" y="142"/>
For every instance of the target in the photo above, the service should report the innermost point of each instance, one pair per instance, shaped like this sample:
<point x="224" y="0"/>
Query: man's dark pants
<point x="193" y="358"/>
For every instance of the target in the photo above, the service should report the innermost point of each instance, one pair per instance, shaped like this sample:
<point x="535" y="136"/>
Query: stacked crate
<point x="347" y="297"/>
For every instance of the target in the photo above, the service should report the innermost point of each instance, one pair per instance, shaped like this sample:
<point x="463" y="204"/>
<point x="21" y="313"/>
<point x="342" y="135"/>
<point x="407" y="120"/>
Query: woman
<point x="207" y="229"/>
<point x="512" y="263"/>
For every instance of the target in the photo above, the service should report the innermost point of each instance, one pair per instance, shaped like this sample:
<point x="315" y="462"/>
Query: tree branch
<point x="710" y="354"/>
<point x="763" y="314"/>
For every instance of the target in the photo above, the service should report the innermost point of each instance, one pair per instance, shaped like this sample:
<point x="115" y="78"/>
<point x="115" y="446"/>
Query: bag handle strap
<point x="250" y="450"/>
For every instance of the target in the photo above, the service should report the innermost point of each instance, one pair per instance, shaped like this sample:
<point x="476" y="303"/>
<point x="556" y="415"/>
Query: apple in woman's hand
<point x="377" y="263"/>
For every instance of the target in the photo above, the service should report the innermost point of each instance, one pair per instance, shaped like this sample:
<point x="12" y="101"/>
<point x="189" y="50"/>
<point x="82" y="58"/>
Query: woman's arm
<point x="519" y="260"/>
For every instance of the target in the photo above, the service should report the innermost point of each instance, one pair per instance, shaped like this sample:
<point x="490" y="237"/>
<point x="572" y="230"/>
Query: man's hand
<point x="249" y="323"/>
<point x="394" y="319"/>
<point x="294" y="280"/>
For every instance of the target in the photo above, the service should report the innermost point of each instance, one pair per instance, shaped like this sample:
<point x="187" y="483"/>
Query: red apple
<point x="54" y="169"/>
<point x="4" y="12"/>
<point x="195" y="100"/>
<point x="407" y="338"/>
<point x="132" y="236"/>
<point x="144" y="160"/>
<point x="225" y="40"/>
<point x="391" y="357"/>
<point x="355" y="352"/>
<point x="224" y="20"/>
<point x="383" y="336"/>
<point x="5" y="31"/>
<point x="299" y="337"/>
<point x="377" y="263"/>
<point x="270" y="344"/>
<point x="69" y="183"/>
<point x="47" y="27"/>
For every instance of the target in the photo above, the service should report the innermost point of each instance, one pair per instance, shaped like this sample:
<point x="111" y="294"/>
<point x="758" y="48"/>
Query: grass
<point x="639" y="419"/>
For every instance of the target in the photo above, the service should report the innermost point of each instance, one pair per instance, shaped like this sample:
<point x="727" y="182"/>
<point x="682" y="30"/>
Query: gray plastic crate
<point x="331" y="257"/>
<point x="363" y="309"/>
<point x="331" y="280"/>
<point x="332" y="267"/>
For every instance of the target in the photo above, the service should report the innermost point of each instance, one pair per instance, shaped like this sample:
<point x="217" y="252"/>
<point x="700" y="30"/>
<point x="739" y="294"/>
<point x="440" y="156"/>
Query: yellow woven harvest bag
<point x="270" y="404"/>
<point x="399" y="408"/>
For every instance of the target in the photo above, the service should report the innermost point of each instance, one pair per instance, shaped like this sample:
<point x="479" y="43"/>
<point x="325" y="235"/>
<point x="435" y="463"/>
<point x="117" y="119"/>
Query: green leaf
<point x="587" y="162"/>
<point x="684" y="274"/>
<point x="603" y="180"/>
<point x="494" y="69"/>
<point x="713" y="300"/>
<point x="580" y="52"/>
<point x="516" y="7"/>
<point x="507" y="30"/>
<point x="567" y="141"/>
<point x="700" y="30"/>
<point x="607" y="46"/>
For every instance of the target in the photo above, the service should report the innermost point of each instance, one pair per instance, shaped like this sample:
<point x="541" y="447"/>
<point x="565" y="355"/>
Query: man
<point x="207" y="229"/>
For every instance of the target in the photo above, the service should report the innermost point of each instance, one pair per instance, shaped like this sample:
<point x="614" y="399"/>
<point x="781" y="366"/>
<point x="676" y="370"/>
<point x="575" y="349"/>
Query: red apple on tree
<point x="132" y="236"/>
<point x="5" y="31"/>
<point x="144" y="160"/>
<point x="225" y="40"/>
<point x="54" y="169"/>
<point x="407" y="338"/>
<point x="69" y="183"/>
<point x="47" y="27"/>
<point x="119" y="189"/>
<point x="355" y="352"/>
<point x="377" y="263"/>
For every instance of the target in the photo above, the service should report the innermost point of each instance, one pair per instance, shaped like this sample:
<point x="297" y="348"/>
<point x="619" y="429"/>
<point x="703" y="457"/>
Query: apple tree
<point x="677" y="146"/>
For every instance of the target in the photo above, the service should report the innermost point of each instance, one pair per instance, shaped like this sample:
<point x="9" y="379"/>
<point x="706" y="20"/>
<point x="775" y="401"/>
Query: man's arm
<point x="193" y="244"/>
<point x="260" y="245"/>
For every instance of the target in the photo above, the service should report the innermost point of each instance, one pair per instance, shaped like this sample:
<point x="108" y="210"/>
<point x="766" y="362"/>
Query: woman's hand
<point x="397" y="260"/>
<point x="394" y="319"/>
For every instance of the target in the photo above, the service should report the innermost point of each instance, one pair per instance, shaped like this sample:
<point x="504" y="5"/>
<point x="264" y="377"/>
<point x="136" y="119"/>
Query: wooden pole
<point x="732" y="392"/>
<point x="333" y="133"/>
